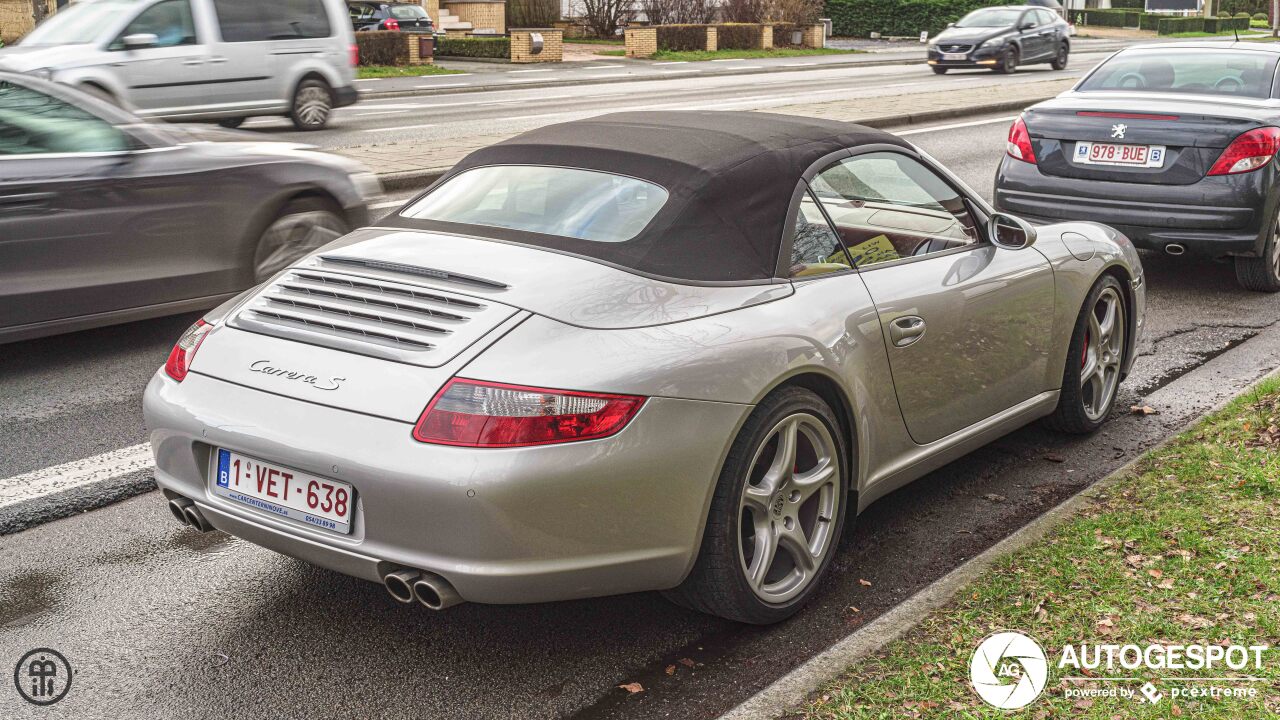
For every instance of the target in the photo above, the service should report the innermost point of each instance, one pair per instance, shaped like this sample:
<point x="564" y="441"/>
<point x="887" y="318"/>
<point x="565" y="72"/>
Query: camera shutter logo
<point x="1008" y="670"/>
<point x="43" y="676"/>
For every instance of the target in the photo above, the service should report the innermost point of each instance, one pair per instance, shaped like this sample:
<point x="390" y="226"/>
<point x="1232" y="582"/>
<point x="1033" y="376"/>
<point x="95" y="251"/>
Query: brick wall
<point x="482" y="15"/>
<point x="641" y="42"/>
<point x="766" y="37"/>
<point x="415" y="57"/>
<point x="522" y="43"/>
<point x="713" y="39"/>
<point x="815" y="36"/>
<point x="15" y="18"/>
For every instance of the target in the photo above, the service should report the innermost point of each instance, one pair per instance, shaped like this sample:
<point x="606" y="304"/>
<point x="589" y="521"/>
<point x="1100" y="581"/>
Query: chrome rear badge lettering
<point x="265" y="367"/>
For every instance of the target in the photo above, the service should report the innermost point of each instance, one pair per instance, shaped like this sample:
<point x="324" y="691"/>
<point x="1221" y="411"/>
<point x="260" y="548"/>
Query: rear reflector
<point x="1248" y="152"/>
<point x="1125" y="115"/>
<point x="472" y="413"/>
<point x="184" y="351"/>
<point x="1019" y="145"/>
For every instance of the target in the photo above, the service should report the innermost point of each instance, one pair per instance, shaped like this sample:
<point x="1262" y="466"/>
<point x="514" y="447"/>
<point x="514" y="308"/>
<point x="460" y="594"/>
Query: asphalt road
<point x="436" y="119"/>
<point x="160" y="621"/>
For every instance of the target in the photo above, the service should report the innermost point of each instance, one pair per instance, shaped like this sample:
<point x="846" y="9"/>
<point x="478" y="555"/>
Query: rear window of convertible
<point x="1200" y="71"/>
<point x="568" y="202"/>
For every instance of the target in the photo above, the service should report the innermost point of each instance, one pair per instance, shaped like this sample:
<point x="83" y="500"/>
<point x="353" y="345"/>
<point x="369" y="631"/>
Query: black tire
<point x="717" y="584"/>
<point x="312" y="104"/>
<point x="1261" y="274"/>
<point x="1008" y="64"/>
<point x="1070" y="415"/>
<point x="231" y="123"/>
<point x="302" y="226"/>
<point x="1060" y="60"/>
<point x="939" y="70"/>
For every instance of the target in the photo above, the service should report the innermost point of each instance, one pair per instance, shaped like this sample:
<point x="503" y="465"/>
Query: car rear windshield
<point x="408" y="12"/>
<point x="1238" y="73"/>
<point x="567" y="202"/>
<point x="997" y="17"/>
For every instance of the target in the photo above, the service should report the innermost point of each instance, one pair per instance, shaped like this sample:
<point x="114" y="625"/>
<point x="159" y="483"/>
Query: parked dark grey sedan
<point x="1173" y="145"/>
<point x="1001" y="39"/>
<point x="106" y="218"/>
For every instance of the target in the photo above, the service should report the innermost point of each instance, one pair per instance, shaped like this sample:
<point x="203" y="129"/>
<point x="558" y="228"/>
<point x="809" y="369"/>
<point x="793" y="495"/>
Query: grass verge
<point x="366" y="72"/>
<point x="699" y="55"/>
<point x="1184" y="550"/>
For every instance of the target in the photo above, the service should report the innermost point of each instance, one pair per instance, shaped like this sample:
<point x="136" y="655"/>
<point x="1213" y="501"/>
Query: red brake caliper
<point x="1084" y="354"/>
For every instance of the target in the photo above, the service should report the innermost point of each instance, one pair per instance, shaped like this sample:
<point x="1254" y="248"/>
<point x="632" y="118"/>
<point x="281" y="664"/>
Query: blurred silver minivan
<point x="221" y="60"/>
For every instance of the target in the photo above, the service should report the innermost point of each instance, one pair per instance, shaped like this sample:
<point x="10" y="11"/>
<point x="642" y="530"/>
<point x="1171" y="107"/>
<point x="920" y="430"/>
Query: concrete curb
<point x="384" y="94"/>
<point x="411" y="179"/>
<point x="794" y="688"/>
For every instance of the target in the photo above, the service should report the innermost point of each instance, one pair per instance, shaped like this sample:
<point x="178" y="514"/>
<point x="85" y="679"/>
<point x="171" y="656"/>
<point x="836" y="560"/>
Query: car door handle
<point x="906" y="330"/>
<point x="192" y="62"/>
<point x="217" y="60"/>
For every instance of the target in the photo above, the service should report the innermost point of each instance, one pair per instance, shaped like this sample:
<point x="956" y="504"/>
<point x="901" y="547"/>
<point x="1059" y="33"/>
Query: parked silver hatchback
<point x="221" y="60"/>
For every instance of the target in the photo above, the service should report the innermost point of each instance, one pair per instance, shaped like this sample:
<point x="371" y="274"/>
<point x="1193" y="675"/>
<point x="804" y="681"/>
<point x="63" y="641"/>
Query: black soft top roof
<point x="730" y="177"/>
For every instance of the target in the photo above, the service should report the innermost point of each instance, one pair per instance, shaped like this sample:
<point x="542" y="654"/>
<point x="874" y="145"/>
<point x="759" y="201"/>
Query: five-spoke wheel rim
<point x="787" y="512"/>
<point x="312" y="107"/>
<point x="1103" y="354"/>
<point x="291" y="237"/>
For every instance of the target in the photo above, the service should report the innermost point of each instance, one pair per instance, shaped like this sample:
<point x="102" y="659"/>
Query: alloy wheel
<point x="1103" y="354"/>
<point x="788" y="508"/>
<point x="292" y="236"/>
<point x="312" y="106"/>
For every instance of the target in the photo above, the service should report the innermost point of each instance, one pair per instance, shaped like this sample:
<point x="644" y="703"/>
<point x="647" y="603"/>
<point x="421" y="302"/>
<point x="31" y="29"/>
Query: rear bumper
<point x="616" y="515"/>
<point x="1215" y="217"/>
<point x="344" y="96"/>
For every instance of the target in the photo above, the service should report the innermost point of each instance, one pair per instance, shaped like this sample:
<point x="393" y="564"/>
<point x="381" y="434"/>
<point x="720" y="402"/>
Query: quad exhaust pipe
<point x="187" y="513"/>
<point x="429" y="589"/>
<point x="1174" y="249"/>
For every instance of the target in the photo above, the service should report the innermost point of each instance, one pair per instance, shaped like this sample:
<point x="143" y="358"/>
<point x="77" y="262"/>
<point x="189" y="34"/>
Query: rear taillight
<point x="1019" y="145"/>
<point x="391" y="24"/>
<point x="484" y="414"/>
<point x="184" y="351"/>
<point x="355" y="54"/>
<point x="1248" y="152"/>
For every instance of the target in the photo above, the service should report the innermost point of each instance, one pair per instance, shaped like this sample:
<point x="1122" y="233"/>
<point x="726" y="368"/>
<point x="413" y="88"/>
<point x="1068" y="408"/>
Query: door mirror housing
<point x="951" y="25"/>
<point x="1026" y="25"/>
<point x="1011" y="232"/>
<point x="137" y="41"/>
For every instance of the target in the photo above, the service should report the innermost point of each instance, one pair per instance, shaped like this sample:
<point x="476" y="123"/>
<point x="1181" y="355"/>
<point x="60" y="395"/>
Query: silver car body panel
<point x="623" y="513"/>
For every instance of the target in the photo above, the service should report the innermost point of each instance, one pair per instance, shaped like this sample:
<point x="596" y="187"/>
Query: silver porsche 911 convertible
<point x="646" y="351"/>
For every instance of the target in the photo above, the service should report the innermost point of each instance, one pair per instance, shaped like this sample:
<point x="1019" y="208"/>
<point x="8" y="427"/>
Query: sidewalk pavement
<point x="411" y="165"/>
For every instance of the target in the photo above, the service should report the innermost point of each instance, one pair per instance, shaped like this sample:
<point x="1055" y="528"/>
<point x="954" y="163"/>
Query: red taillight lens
<point x="1248" y="152"/>
<point x="355" y="54"/>
<point x="484" y="414"/>
<point x="1019" y="145"/>
<point x="184" y="351"/>
<point x="391" y="24"/>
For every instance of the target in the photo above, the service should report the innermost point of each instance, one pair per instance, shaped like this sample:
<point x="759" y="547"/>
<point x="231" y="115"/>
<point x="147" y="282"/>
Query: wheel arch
<point x="1123" y="276"/>
<point x="837" y="398"/>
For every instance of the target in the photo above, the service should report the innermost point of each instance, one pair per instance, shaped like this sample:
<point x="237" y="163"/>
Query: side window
<point x="32" y="123"/>
<point x="1046" y="17"/>
<point x="170" y="21"/>
<point x="887" y="206"/>
<point x="240" y="20"/>
<point x="816" y="249"/>
<point x="1029" y="17"/>
<point x="290" y="19"/>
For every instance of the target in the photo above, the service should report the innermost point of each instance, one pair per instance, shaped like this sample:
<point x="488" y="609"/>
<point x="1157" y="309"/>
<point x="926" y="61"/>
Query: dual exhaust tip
<point x="429" y="589"/>
<point x="405" y="586"/>
<point x="187" y="513"/>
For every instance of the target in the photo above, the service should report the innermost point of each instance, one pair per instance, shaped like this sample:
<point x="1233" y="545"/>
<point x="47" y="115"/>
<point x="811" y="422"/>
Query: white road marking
<point x="366" y="113"/>
<point x="956" y="126"/>
<point x="78" y="473"/>
<point x="602" y="67"/>
<point x="448" y="85"/>
<point x="803" y="64"/>
<point x="450" y="75"/>
<point x="398" y="127"/>
<point x="513" y="72"/>
<point x="678" y="72"/>
<point x="609" y="75"/>
<point x="730" y="60"/>
<point x="672" y="62"/>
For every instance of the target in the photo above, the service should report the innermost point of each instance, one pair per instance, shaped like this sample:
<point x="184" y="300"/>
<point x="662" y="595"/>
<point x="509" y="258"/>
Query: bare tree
<point x="659" y="12"/>
<point x="604" y="17"/>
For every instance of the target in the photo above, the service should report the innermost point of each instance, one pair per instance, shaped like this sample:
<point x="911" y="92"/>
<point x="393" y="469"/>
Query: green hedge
<point x="860" y="18"/>
<point x="383" y="47"/>
<point x="782" y="34"/>
<point x="1106" y="18"/>
<point x="1171" y="25"/>
<point x="1129" y="5"/>
<point x="476" y="47"/>
<point x="682" y="37"/>
<point x="1150" y="21"/>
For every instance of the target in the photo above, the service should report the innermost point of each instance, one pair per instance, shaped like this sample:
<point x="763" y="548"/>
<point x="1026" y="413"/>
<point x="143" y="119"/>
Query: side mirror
<point x="1026" y="26"/>
<point x="951" y="25"/>
<point x="138" y="41"/>
<point x="1010" y="232"/>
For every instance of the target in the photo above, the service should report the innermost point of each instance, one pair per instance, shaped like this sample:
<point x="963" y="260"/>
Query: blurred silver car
<point x="106" y="218"/>
<point x="646" y="351"/>
<point x="223" y="60"/>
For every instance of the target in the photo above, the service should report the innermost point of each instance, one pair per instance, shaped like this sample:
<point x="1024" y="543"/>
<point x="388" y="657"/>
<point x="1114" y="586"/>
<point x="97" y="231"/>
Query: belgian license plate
<point x="285" y="492"/>
<point x="954" y="56"/>
<point x="1095" y="153"/>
